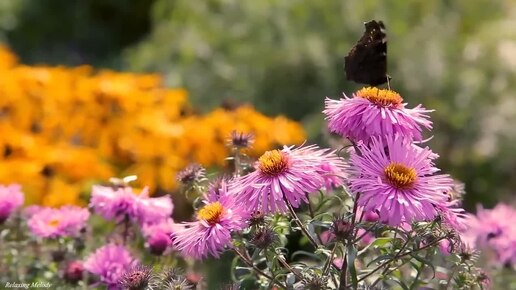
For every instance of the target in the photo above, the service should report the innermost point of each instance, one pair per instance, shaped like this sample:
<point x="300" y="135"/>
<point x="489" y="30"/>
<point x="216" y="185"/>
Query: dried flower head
<point x="174" y="279"/>
<point x="136" y="278"/>
<point x="240" y="140"/>
<point x="191" y="174"/>
<point x="314" y="282"/>
<point x="341" y="228"/>
<point x="264" y="237"/>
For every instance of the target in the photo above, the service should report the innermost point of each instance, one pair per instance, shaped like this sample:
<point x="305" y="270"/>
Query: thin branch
<point x="251" y="264"/>
<point x="312" y="215"/>
<point x="400" y="256"/>
<point x="330" y="259"/>
<point x="300" y="224"/>
<point x="392" y="260"/>
<point x="294" y="271"/>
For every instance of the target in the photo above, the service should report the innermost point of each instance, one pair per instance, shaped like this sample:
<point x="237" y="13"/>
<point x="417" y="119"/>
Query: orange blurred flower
<point x="66" y="128"/>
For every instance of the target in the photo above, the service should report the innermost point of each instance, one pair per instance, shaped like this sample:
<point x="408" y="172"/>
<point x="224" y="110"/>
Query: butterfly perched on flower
<point x="366" y="62"/>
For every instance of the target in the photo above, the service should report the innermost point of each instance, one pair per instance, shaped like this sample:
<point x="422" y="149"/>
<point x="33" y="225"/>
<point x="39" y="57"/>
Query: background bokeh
<point x="284" y="57"/>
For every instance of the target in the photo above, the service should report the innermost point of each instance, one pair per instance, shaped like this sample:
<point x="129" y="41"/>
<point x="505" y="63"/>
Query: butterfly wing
<point x="366" y="62"/>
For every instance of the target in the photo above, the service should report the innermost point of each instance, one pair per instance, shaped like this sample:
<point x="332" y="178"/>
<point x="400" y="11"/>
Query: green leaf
<point x="306" y="254"/>
<point x="378" y="242"/>
<point x="380" y="258"/>
<point x="425" y="262"/>
<point x="401" y="283"/>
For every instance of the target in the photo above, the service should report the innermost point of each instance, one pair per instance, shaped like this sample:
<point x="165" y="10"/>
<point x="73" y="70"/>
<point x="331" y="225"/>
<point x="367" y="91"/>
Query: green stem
<point x="330" y="259"/>
<point x="258" y="270"/>
<point x="392" y="260"/>
<point x="300" y="224"/>
<point x="400" y="256"/>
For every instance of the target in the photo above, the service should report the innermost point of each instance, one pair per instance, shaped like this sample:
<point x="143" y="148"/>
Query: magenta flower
<point x="327" y="164"/>
<point x="73" y="272"/>
<point x="374" y="112"/>
<point x="453" y="215"/>
<point x="118" y="203"/>
<point x="109" y="263"/>
<point x="154" y="209"/>
<point x="495" y="229"/>
<point x="216" y="220"/>
<point x="11" y="198"/>
<point x="159" y="236"/>
<point x="114" y="203"/>
<point x="67" y="221"/>
<point x="288" y="174"/>
<point x="398" y="180"/>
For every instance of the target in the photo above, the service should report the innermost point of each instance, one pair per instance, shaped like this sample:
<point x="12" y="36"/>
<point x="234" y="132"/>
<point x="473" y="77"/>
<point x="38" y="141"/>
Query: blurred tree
<point x="286" y="56"/>
<point x="73" y="31"/>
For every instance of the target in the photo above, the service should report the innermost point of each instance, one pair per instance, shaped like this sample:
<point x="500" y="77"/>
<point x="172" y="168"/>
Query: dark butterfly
<point x="366" y="62"/>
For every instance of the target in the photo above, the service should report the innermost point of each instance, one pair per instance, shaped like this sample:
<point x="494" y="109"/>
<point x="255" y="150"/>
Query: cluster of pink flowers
<point x="67" y="221"/>
<point x="11" y="198"/>
<point x="151" y="214"/>
<point x="388" y="172"/>
<point x="117" y="203"/>
<point x="392" y="177"/>
<point x="494" y="230"/>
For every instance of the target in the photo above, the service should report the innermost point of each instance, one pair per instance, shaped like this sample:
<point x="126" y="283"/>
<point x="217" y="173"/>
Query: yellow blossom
<point x="65" y="128"/>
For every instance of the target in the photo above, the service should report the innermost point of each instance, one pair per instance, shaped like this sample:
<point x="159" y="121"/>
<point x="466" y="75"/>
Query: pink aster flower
<point x="398" y="180"/>
<point x="109" y="263"/>
<point x="118" y="203"/>
<point x="327" y="164"/>
<point x="11" y="198"/>
<point x="495" y="229"/>
<point x="216" y="220"/>
<point x="159" y="235"/>
<point x="453" y="215"/>
<point x="154" y="209"/>
<point x="374" y="112"/>
<point x="289" y="174"/>
<point x="67" y="221"/>
<point x="114" y="203"/>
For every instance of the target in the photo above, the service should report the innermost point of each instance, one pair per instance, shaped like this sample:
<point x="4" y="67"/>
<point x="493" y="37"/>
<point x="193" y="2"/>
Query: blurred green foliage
<point x="458" y="57"/>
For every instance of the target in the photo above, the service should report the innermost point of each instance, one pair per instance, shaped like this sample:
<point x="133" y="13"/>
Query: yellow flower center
<point x="400" y="176"/>
<point x="53" y="223"/>
<point x="380" y="97"/>
<point x="273" y="162"/>
<point x="211" y="212"/>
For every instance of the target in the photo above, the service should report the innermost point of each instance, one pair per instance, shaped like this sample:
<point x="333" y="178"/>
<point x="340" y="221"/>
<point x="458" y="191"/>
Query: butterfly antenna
<point x="388" y="82"/>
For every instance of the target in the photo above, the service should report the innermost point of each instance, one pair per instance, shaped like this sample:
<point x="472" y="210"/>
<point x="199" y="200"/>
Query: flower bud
<point x="264" y="238"/>
<point x="341" y="228"/>
<point x="158" y="243"/>
<point x="73" y="272"/>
